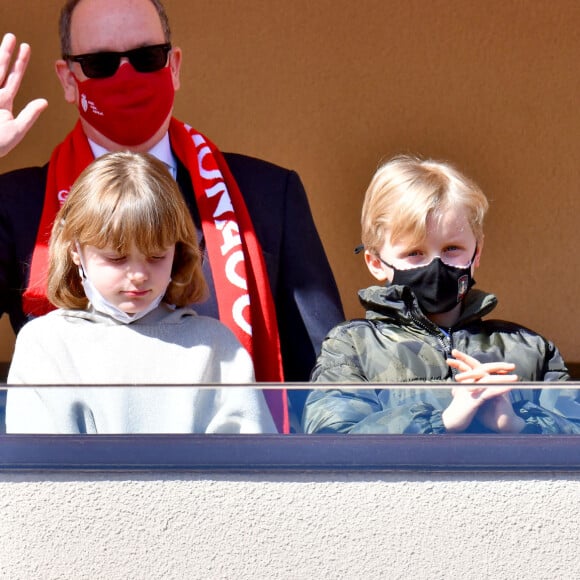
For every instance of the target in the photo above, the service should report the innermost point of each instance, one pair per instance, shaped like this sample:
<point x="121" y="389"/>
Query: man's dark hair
<point x="66" y="17"/>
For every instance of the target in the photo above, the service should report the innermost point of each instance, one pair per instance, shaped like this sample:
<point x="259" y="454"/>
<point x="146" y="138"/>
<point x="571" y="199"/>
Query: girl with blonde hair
<point x="124" y="268"/>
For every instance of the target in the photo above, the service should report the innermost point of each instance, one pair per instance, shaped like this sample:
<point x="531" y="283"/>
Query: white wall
<point x="468" y="525"/>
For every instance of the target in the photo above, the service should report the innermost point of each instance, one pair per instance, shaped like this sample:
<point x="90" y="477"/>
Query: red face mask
<point x="129" y="107"/>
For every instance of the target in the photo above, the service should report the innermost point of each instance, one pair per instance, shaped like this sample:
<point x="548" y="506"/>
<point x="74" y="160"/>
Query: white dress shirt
<point x="162" y="150"/>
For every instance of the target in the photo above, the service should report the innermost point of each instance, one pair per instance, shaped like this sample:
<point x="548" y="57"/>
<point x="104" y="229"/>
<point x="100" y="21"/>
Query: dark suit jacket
<point x="304" y="290"/>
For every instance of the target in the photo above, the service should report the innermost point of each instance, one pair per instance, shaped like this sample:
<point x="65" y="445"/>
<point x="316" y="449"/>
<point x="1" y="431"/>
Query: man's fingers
<point x="6" y="50"/>
<point x="15" y="75"/>
<point x="14" y="130"/>
<point x="27" y="117"/>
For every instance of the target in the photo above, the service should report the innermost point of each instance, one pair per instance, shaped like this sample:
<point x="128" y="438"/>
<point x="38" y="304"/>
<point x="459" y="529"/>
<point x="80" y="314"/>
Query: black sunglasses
<point x="99" y="65"/>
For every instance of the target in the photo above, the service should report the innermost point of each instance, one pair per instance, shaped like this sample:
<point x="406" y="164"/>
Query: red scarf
<point x="244" y="297"/>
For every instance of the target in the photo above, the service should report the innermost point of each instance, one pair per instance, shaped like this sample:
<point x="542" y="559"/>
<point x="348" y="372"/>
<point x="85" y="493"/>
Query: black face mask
<point x="437" y="286"/>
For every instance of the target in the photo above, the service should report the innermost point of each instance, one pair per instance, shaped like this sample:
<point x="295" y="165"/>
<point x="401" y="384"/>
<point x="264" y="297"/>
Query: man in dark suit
<point x="121" y="71"/>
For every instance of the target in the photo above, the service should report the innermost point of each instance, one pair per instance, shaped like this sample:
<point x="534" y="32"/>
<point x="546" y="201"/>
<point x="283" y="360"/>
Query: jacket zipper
<point x="445" y="340"/>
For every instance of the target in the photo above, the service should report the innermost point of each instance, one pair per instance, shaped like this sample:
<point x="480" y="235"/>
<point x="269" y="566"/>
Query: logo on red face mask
<point x="129" y="107"/>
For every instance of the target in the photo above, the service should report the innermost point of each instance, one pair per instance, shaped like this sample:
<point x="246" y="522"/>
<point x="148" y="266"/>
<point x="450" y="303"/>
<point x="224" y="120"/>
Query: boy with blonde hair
<point x="422" y="234"/>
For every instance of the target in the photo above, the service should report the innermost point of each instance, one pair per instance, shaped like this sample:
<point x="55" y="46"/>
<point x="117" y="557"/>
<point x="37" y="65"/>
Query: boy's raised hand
<point x="498" y="415"/>
<point x="472" y="371"/>
<point x="13" y="129"/>
<point x="466" y="403"/>
<point x="491" y="404"/>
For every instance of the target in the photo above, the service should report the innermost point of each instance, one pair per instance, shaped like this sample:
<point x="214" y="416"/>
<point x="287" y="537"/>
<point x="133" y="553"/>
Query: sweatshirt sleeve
<point x="32" y="362"/>
<point x="239" y="410"/>
<point x="27" y="412"/>
<point x="233" y="408"/>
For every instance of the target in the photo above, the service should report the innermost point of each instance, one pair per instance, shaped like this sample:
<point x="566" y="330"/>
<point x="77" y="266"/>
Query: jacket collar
<point x="398" y="304"/>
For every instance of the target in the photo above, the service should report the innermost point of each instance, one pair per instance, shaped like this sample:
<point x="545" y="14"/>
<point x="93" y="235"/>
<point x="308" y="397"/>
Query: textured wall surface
<point x="468" y="526"/>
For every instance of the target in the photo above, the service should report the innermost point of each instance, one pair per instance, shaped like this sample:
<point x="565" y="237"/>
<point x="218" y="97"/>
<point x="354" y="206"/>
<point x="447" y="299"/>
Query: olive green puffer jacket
<point x="397" y="343"/>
